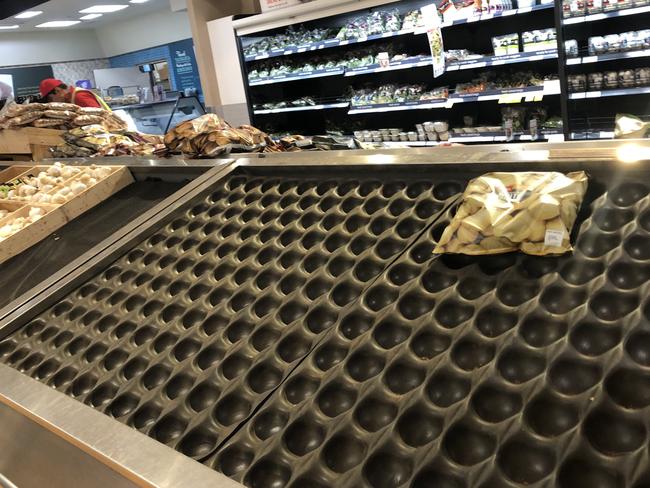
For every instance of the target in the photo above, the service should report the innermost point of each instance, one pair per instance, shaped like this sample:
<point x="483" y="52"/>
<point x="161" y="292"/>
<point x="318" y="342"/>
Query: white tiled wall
<point x="69" y="73"/>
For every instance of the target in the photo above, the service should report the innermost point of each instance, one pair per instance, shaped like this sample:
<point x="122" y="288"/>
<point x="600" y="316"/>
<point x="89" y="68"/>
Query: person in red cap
<point x="53" y="90"/>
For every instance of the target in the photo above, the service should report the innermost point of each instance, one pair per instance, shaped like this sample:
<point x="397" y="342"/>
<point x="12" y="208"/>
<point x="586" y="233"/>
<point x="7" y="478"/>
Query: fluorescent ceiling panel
<point x="29" y="14"/>
<point x="59" y="23"/>
<point x="103" y="9"/>
<point x="7" y="27"/>
<point x="90" y="17"/>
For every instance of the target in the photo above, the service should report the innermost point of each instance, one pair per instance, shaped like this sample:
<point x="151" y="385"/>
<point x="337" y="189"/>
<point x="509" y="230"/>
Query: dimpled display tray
<point x="427" y="371"/>
<point x="184" y="335"/>
<point x="455" y="371"/>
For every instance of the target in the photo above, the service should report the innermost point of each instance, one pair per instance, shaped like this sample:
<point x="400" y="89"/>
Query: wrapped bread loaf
<point x="24" y="119"/>
<point x="60" y="114"/>
<point x="47" y="123"/>
<point x="502" y="212"/>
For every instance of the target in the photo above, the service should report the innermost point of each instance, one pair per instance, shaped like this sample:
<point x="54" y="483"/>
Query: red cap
<point x="47" y="85"/>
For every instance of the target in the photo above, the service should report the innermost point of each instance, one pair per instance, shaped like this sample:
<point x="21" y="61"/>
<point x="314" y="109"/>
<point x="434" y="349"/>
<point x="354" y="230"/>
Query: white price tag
<point x="554" y="238"/>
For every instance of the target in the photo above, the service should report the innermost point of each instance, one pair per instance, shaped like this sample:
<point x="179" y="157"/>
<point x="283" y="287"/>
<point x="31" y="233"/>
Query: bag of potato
<point x="503" y="212"/>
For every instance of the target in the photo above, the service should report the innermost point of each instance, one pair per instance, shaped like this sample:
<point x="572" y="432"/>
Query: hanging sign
<point x="432" y="24"/>
<point x="186" y="71"/>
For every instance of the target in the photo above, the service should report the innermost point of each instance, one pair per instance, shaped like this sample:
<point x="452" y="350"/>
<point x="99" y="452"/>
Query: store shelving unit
<point x="589" y="120"/>
<point x="321" y="86"/>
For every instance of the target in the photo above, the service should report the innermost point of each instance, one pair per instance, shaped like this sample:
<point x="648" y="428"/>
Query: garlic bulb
<point x="54" y="170"/>
<point x="77" y="187"/>
<point x="35" y="213"/>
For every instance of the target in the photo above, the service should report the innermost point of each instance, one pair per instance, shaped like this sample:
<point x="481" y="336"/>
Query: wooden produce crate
<point x="28" y="143"/>
<point x="54" y="215"/>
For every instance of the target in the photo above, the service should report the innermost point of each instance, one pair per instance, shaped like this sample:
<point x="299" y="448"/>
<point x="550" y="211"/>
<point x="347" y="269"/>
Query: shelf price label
<point x="534" y="97"/>
<point x="510" y="98"/>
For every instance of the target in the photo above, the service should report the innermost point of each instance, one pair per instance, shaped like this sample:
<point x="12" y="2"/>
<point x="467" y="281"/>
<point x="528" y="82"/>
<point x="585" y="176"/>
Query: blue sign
<point x="85" y="84"/>
<point x="186" y="71"/>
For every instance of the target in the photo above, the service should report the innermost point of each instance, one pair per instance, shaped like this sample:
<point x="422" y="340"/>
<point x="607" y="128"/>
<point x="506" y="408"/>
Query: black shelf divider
<point x="564" y="86"/>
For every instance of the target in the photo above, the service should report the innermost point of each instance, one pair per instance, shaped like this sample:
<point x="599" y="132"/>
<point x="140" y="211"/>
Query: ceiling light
<point x="59" y="23"/>
<point x="7" y="27"/>
<point x="138" y="1"/>
<point x="29" y="14"/>
<point x="90" y="17"/>
<point x="102" y="9"/>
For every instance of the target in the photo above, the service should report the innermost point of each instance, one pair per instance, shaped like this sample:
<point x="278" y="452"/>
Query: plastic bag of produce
<point x="630" y="127"/>
<point x="502" y="212"/>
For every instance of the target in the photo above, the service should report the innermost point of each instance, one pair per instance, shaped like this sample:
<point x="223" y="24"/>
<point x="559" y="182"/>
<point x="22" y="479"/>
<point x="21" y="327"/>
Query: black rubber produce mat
<point x="190" y="330"/>
<point x="21" y="273"/>
<point x="455" y="371"/>
<point x="300" y="332"/>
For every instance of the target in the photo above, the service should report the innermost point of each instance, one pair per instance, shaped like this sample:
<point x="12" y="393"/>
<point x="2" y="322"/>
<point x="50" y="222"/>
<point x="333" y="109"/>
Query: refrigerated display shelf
<point x="608" y="57"/>
<point x="610" y="93"/>
<point x="495" y="15"/>
<point x="330" y="43"/>
<point x="415" y="62"/>
<point x="607" y="15"/>
<point x="399" y="106"/>
<point x="551" y="135"/>
<point x="323" y="106"/>
<point x="297" y="76"/>
<point x="544" y="135"/>
<point x="501" y="60"/>
<point x="410" y="63"/>
<point x="530" y="93"/>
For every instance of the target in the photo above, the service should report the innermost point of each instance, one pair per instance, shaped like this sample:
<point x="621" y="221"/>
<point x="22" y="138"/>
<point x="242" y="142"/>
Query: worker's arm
<point x="86" y="99"/>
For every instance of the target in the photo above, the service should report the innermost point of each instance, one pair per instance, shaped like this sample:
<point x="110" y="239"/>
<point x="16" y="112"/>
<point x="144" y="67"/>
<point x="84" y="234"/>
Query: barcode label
<point x="554" y="238"/>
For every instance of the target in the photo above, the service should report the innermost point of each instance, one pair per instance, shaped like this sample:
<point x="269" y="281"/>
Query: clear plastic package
<point x="533" y="212"/>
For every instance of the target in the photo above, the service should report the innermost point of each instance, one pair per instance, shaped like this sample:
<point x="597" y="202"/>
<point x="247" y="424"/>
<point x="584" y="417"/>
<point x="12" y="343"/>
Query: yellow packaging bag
<point x="502" y="212"/>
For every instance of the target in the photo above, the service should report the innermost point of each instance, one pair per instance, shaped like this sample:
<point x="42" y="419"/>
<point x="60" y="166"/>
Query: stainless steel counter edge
<point x="142" y="460"/>
<point x="103" y="250"/>
<point x="492" y="153"/>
